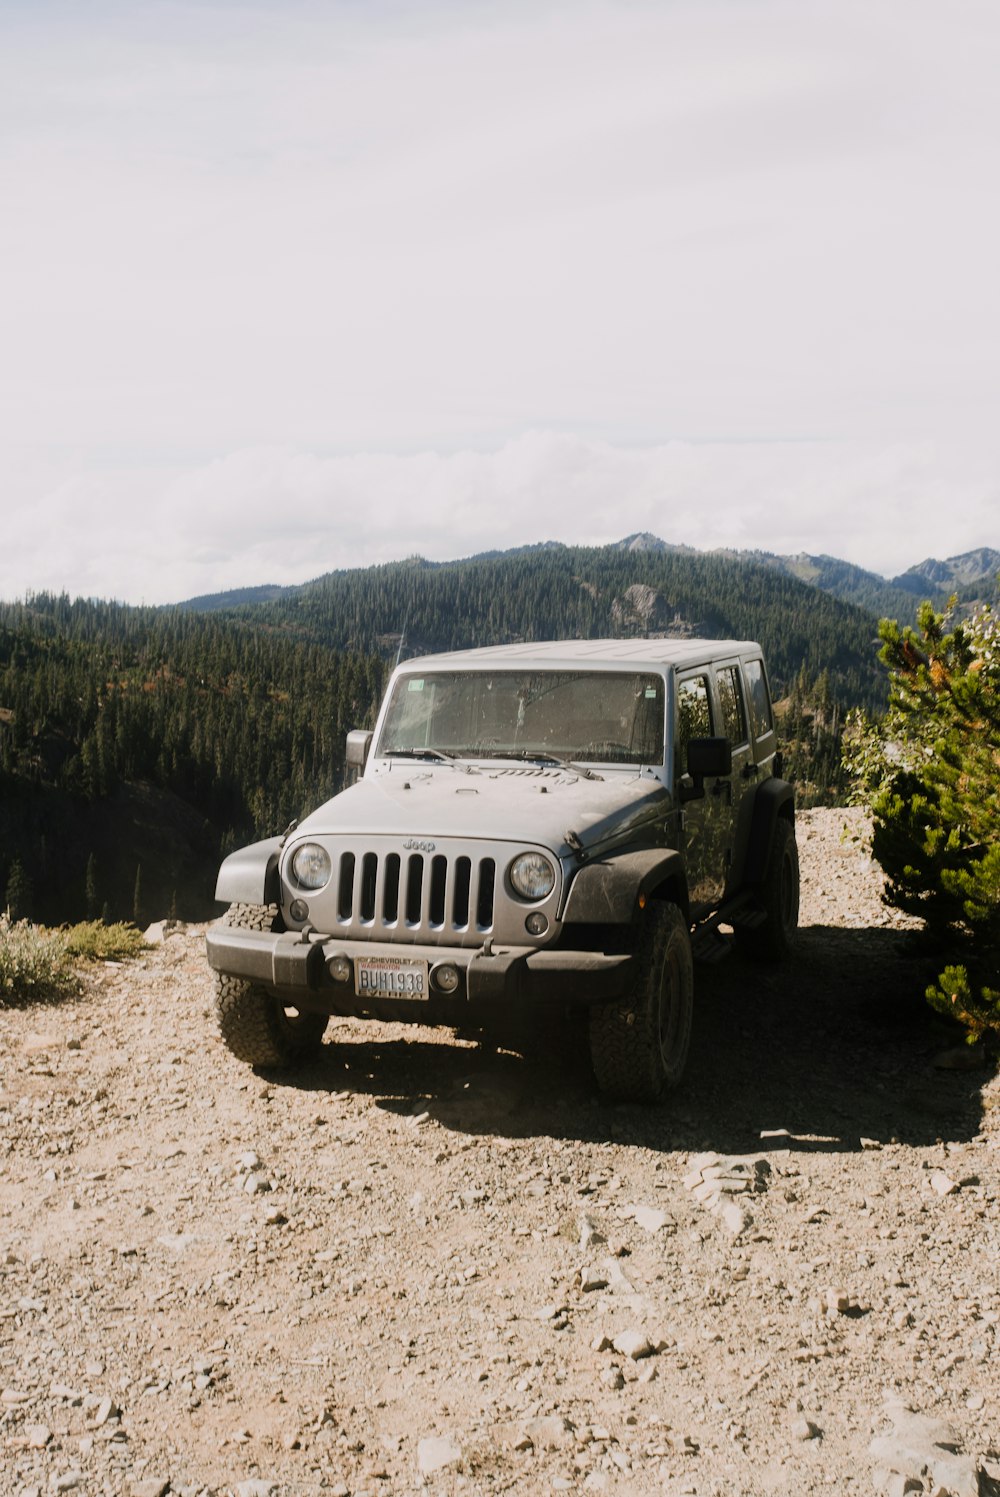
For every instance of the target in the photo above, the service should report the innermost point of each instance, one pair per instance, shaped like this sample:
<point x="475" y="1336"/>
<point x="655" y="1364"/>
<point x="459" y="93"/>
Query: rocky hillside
<point x="424" y="1265"/>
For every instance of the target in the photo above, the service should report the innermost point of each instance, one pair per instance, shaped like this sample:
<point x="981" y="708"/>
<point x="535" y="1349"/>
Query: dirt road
<point x="424" y="1265"/>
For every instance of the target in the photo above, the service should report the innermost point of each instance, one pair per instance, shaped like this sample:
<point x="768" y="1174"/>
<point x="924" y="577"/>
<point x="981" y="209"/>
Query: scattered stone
<point x="256" y="1185"/>
<point x="714" y="1180"/>
<point x="920" y="1444"/>
<point x="894" y="1484"/>
<point x="256" y="1487"/>
<point x="157" y="933"/>
<point x="612" y="1378"/>
<point x="942" y="1184"/>
<point x="437" y="1453"/>
<point x="734" y="1218"/>
<point x="589" y="1232"/>
<point x="803" y="1429"/>
<point x="647" y="1217"/>
<point x="150" y="1486"/>
<point x="552" y="1432"/>
<point x="634" y="1344"/>
<point x="514" y="1437"/>
<point x="105" y="1410"/>
<point x="591" y="1279"/>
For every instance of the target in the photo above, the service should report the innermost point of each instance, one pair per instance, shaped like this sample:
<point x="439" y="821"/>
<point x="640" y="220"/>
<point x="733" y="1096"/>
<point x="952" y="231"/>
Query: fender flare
<point x="250" y="875"/>
<point x="773" y="798"/>
<point x="605" y="892"/>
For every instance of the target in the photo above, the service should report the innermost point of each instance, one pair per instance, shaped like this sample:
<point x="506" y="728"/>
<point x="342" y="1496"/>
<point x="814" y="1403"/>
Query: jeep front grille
<point x="425" y="895"/>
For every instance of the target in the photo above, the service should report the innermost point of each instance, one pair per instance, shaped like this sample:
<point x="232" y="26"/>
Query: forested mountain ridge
<point x="136" y="744"/>
<point x="972" y="575"/>
<point x="585" y="592"/>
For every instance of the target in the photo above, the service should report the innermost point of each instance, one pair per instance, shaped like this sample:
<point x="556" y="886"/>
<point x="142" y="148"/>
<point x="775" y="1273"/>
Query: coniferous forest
<point x="139" y="745"/>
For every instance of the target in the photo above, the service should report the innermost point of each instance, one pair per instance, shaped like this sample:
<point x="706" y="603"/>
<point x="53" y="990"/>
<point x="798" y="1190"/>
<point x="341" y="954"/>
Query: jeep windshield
<point x="603" y="717"/>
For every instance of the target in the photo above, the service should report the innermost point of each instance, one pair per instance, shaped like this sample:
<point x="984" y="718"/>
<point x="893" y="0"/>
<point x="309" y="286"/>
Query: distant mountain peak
<point x="643" y="541"/>
<point x="955" y="572"/>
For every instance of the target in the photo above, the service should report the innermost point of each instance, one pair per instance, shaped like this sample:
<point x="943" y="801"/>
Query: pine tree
<point x="90" y="887"/>
<point x="18" y="897"/>
<point x="137" y="917"/>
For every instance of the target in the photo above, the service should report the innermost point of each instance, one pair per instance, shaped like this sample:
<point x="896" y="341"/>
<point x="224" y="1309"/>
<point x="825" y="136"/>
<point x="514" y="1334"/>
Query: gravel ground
<point x="424" y="1264"/>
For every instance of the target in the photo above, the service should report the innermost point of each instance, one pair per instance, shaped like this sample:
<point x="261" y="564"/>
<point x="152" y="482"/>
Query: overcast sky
<point x="294" y="286"/>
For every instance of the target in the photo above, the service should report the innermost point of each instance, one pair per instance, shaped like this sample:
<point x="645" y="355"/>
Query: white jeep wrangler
<point x="533" y="824"/>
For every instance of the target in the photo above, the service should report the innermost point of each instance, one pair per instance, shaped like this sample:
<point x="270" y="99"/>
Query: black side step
<point x="709" y="945"/>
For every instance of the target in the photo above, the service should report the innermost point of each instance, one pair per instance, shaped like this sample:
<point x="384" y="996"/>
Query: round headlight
<point x="532" y="876"/>
<point x="311" y="866"/>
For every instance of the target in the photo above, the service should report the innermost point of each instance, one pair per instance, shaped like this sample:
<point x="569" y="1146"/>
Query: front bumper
<point x="293" y="965"/>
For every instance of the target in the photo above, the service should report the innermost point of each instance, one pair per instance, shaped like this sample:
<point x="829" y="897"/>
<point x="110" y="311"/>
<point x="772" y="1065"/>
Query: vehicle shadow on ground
<point x="835" y="1045"/>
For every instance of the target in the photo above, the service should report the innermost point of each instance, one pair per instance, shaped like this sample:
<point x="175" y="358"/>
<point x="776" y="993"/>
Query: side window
<point x="734" y="718"/>
<point x="760" y="700"/>
<point x="694" y="717"/>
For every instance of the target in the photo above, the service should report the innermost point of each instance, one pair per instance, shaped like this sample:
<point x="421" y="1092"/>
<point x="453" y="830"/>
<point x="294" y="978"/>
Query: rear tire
<point x="639" y="1045"/>
<point x="779" y="898"/>
<point x="255" y="1026"/>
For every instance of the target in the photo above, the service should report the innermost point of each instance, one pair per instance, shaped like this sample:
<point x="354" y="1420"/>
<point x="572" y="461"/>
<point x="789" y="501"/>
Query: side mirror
<point x="359" y="744"/>
<point x="709" y="758"/>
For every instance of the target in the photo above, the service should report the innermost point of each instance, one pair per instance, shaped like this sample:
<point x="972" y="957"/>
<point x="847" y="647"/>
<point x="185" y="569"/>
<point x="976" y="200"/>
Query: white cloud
<point x="284" y="516"/>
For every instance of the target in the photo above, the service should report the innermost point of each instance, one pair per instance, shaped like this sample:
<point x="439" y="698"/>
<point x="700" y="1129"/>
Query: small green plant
<point x="34" y="963"/>
<point x="95" y="941"/>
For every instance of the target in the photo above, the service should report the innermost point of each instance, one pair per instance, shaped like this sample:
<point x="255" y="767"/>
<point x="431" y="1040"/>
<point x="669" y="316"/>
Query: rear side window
<point x="759" y="697"/>
<point x="734" y="718"/>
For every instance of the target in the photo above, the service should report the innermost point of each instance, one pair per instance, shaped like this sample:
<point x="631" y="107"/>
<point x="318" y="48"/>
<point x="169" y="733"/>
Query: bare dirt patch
<point x="423" y="1264"/>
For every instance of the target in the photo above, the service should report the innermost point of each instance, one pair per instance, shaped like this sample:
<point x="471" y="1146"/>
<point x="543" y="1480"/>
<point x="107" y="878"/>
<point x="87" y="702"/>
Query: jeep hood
<point x="517" y="804"/>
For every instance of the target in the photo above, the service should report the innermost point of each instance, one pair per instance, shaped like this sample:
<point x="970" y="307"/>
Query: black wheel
<point x="257" y="1027"/>
<point x="639" y="1045"/>
<point x="778" y="895"/>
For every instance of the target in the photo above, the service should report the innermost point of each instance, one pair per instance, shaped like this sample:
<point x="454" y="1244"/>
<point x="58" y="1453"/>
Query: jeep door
<point x="735" y="726"/>
<point x="706" y="819"/>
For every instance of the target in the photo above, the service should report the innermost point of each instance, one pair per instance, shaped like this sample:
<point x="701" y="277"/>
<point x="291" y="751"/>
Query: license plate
<point x="389" y="977"/>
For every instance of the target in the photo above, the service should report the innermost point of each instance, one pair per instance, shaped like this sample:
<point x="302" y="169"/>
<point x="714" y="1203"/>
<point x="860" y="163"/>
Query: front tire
<point x="778" y="895"/>
<point x="255" y="1026"/>
<point x="639" y="1044"/>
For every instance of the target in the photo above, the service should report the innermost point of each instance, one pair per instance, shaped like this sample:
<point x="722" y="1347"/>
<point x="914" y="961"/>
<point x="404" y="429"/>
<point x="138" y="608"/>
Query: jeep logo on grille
<point x="412" y="844"/>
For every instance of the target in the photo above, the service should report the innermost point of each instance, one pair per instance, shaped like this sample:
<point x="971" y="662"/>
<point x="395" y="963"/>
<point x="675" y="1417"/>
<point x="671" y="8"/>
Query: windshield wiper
<point x="438" y="755"/>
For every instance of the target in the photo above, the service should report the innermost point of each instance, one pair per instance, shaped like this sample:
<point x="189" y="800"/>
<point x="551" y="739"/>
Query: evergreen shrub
<point x="93" y="940"/>
<point x="930" y="772"/>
